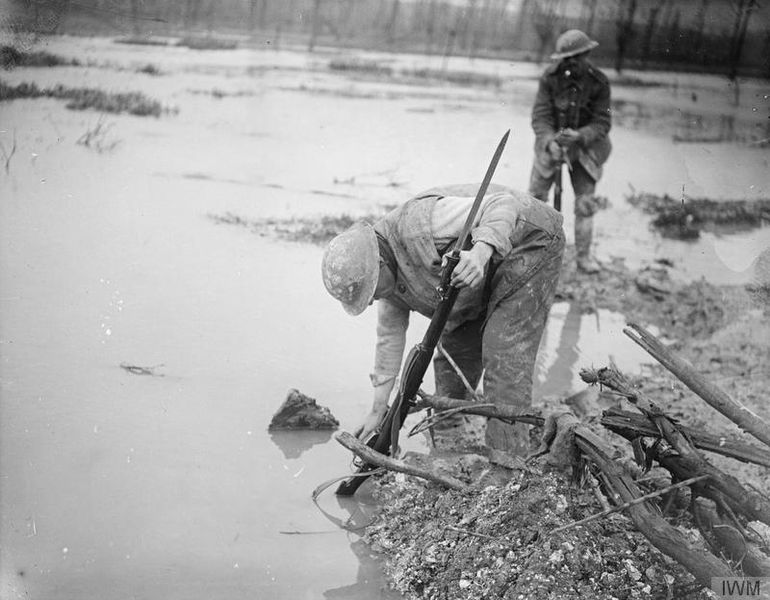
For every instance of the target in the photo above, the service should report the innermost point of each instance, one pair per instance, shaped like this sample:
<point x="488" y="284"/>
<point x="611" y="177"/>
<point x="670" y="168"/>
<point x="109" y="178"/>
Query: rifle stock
<point x="385" y="439"/>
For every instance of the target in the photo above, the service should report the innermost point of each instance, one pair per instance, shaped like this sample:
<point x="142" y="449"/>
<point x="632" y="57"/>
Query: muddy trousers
<point x="503" y="343"/>
<point x="586" y="206"/>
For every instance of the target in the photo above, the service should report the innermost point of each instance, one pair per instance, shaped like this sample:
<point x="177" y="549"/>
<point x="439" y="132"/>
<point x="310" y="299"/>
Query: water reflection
<point x="353" y="515"/>
<point x="557" y="377"/>
<point x="573" y="341"/>
<point x="368" y="576"/>
<point x="294" y="443"/>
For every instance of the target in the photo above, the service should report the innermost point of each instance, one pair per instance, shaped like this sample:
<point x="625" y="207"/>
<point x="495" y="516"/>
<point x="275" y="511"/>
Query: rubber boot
<point x="584" y="227"/>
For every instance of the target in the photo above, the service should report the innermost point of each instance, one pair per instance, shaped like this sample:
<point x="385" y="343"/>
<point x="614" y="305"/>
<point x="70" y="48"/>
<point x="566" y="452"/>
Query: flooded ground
<point x="167" y="485"/>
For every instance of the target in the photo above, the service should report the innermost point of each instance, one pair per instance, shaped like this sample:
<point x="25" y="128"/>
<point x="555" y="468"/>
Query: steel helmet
<point x="351" y="267"/>
<point x="572" y="42"/>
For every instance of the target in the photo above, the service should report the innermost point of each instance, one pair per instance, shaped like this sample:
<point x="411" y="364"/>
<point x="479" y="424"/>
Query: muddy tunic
<point x="579" y="101"/>
<point x="496" y="326"/>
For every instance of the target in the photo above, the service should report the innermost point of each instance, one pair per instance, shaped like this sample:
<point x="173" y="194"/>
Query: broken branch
<point x="712" y="394"/>
<point x="375" y="458"/>
<point x="633" y="502"/>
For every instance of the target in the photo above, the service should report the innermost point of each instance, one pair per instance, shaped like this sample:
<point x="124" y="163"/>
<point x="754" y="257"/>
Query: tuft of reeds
<point x="134" y="103"/>
<point x="207" y="43"/>
<point x="10" y="58"/>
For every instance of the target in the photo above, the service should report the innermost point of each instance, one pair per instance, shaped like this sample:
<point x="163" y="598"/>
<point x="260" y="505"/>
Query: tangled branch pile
<point x="529" y="538"/>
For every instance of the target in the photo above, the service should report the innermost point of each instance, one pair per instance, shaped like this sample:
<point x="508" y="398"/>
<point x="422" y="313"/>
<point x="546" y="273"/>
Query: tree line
<point x="721" y="36"/>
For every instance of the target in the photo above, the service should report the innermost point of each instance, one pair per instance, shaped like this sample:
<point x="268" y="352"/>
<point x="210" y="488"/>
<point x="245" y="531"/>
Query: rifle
<point x="557" y="186"/>
<point x="385" y="438"/>
<point x="570" y="119"/>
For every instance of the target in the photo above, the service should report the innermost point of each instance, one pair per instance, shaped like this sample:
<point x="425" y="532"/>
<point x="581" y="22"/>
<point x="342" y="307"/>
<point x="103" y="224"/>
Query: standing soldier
<point x="571" y="120"/>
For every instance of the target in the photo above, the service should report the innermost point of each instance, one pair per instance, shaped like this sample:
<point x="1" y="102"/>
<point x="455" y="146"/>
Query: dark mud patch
<point x="685" y="218"/>
<point x="133" y="103"/>
<point x="650" y="295"/>
<point x="319" y="230"/>
<point x="496" y="542"/>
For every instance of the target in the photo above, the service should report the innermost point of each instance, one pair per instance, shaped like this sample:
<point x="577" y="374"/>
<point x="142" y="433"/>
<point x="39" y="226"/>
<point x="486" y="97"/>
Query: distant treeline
<point x="721" y="36"/>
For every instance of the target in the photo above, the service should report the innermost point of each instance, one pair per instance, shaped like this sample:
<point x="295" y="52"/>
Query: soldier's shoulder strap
<point x="597" y="74"/>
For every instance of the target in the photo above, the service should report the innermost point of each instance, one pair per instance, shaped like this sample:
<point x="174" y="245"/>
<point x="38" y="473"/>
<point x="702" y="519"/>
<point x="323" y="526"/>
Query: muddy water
<point x="167" y="484"/>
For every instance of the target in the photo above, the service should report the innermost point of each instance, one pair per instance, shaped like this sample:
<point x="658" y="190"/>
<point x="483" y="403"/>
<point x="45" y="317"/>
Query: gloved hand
<point x="568" y="137"/>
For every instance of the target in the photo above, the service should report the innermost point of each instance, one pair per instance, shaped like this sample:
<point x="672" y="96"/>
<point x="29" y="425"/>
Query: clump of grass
<point x="149" y="69"/>
<point x="360" y="66"/>
<point x="629" y="81"/>
<point x="143" y="41"/>
<point x="468" y="78"/>
<point x="207" y="43"/>
<point x="371" y="67"/>
<point x="134" y="103"/>
<point x="10" y="57"/>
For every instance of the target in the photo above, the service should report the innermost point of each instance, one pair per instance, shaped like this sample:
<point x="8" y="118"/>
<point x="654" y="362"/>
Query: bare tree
<point x="192" y="11"/>
<point x="431" y="26"/>
<point x="547" y="18"/>
<point x="392" y="20"/>
<point x="257" y="14"/>
<point x="135" y="10"/>
<point x="451" y="37"/>
<point x="316" y="25"/>
<point x="481" y="28"/>
<point x="589" y="15"/>
<point x="742" y="10"/>
<point x="624" y="30"/>
<point x="522" y="16"/>
<point x="499" y="20"/>
<point x="649" y="30"/>
<point x="699" y="29"/>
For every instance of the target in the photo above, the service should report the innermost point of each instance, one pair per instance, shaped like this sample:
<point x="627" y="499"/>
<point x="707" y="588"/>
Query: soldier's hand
<point x="470" y="271"/>
<point x="555" y="150"/>
<point x="370" y="424"/>
<point x="568" y="137"/>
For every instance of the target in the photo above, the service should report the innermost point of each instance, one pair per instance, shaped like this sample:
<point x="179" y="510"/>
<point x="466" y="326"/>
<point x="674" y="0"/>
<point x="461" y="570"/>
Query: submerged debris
<point x="302" y="412"/>
<point x="137" y="370"/>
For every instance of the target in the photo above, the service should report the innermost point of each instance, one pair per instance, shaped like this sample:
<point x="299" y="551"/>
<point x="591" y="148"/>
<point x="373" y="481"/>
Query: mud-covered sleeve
<point x="601" y="120"/>
<point x="543" y="118"/>
<point x="497" y="222"/>
<point x="392" y="322"/>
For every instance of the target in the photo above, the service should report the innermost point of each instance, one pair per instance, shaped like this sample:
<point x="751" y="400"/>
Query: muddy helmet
<point x="572" y="42"/>
<point x="351" y="267"/>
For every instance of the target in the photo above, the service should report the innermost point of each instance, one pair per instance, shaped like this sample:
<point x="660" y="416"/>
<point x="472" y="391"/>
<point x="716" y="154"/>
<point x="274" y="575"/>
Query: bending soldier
<point x="571" y="121"/>
<point x="507" y="280"/>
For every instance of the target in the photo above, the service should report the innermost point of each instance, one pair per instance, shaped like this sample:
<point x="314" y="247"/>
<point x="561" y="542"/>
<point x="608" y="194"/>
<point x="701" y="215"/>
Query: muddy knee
<point x="586" y="205"/>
